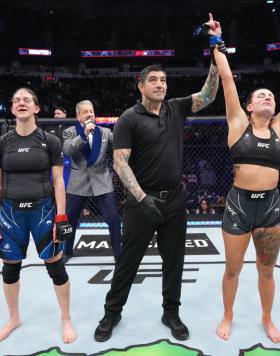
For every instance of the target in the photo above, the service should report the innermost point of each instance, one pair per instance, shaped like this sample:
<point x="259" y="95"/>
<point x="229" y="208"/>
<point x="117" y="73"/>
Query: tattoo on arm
<point x="121" y="166"/>
<point x="208" y="92"/>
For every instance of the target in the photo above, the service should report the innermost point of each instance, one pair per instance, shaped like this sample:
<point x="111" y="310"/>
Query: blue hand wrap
<point x="213" y="40"/>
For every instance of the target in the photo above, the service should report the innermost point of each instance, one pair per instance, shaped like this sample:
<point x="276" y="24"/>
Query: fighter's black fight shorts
<point x="246" y="210"/>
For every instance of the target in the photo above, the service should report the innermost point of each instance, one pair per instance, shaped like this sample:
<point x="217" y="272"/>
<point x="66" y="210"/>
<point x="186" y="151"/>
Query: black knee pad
<point x="10" y="272"/>
<point x="57" y="272"/>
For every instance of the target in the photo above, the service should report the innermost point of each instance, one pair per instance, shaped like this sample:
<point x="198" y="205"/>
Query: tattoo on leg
<point x="267" y="243"/>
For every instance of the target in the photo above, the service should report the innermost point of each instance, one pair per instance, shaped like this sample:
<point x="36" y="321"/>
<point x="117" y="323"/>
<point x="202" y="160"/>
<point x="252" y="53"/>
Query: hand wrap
<point x="214" y="41"/>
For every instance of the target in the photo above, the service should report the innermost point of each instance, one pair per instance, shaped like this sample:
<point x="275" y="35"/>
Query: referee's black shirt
<point x="156" y="142"/>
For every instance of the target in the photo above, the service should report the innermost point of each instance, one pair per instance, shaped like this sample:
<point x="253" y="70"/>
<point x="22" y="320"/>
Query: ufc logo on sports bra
<point x="257" y="195"/>
<point x="263" y="145"/>
<point x="26" y="205"/>
<point x="24" y="149"/>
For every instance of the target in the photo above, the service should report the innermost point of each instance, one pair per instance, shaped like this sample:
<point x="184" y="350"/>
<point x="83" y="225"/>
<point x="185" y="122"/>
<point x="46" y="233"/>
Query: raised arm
<point x="121" y="166"/>
<point x="72" y="143"/>
<point x="233" y="107"/>
<point x="208" y="92"/>
<point x="236" y="116"/>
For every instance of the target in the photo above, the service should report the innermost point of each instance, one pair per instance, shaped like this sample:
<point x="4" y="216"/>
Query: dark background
<point x="66" y="27"/>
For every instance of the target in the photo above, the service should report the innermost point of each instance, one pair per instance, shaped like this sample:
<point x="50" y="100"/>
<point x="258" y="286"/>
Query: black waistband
<point x="25" y="204"/>
<point x="163" y="194"/>
<point x="254" y="194"/>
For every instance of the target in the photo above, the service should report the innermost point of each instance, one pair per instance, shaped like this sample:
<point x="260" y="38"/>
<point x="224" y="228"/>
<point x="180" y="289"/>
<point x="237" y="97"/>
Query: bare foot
<point x="272" y="332"/>
<point x="10" y="326"/>
<point x="69" y="334"/>
<point x="224" y="328"/>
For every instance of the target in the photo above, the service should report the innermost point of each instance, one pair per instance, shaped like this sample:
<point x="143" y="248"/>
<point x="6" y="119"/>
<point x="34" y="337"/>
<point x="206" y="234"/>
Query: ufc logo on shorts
<point x="257" y="195"/>
<point x="25" y="205"/>
<point x="231" y="210"/>
<point x="25" y="149"/>
<point x="263" y="145"/>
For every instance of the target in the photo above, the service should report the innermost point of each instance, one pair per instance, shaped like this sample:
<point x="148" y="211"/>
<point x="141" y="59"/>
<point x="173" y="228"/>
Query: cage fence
<point x="206" y="168"/>
<point x="206" y="172"/>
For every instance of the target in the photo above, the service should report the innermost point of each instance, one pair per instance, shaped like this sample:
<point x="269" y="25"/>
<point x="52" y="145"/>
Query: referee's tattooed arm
<point x="208" y="92"/>
<point x="121" y="157"/>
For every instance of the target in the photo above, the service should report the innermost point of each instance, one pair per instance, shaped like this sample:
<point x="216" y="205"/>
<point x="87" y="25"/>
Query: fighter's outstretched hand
<point x="212" y="27"/>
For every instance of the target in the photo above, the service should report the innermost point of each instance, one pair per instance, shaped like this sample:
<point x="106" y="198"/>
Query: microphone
<point x="89" y="121"/>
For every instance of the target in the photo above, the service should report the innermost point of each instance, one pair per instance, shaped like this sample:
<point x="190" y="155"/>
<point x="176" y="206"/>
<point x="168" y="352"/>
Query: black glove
<point x="222" y="47"/>
<point x="150" y="209"/>
<point x="64" y="231"/>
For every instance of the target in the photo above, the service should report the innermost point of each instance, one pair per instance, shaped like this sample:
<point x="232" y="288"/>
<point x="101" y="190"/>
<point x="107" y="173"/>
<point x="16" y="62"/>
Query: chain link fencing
<point x="206" y="170"/>
<point x="207" y="173"/>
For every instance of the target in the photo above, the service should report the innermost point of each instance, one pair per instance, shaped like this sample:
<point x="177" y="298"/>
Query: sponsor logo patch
<point x="231" y="211"/>
<point x="25" y="205"/>
<point x="257" y="195"/>
<point x="4" y="223"/>
<point x="100" y="245"/>
<point x="263" y="145"/>
<point x="7" y="246"/>
<point x="24" y="149"/>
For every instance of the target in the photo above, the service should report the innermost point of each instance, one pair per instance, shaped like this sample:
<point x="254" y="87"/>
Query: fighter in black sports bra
<point x="252" y="206"/>
<point x="250" y="149"/>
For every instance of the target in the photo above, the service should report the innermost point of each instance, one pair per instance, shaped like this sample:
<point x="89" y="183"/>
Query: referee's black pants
<point x="138" y="231"/>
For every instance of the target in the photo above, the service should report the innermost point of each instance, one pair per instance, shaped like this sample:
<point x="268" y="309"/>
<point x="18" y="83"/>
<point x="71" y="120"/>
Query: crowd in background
<point x="65" y="78"/>
<point x="67" y="29"/>
<point x="207" y="165"/>
<point x="112" y="93"/>
<point x="207" y="173"/>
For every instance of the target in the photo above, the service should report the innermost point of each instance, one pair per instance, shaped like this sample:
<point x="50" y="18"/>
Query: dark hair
<point x="152" y="68"/>
<point x="31" y="92"/>
<point x="61" y="109"/>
